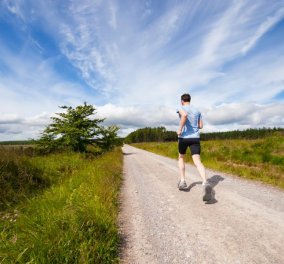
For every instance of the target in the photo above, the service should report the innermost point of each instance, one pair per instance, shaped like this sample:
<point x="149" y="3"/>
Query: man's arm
<point x="200" y="123"/>
<point x="183" y="117"/>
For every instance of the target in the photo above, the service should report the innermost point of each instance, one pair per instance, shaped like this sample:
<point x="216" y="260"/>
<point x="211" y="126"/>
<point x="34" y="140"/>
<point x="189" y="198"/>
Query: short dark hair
<point x="186" y="97"/>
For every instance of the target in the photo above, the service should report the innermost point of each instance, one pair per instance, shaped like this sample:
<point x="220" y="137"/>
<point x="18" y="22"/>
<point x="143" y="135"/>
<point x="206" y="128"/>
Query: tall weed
<point x="72" y="221"/>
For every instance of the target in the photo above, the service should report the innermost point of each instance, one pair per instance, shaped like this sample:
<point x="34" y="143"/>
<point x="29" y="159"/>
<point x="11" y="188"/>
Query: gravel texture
<point x="243" y="223"/>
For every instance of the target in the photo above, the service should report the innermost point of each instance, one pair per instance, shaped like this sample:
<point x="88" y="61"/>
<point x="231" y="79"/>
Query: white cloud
<point x="113" y="13"/>
<point x="40" y="120"/>
<point x="248" y="114"/>
<point x="220" y="118"/>
<point x="219" y="35"/>
<point x="164" y="28"/>
<point x="9" y="118"/>
<point x="263" y="28"/>
<point x="15" y="8"/>
<point x="31" y="85"/>
<point x="137" y="116"/>
<point x="81" y="42"/>
<point x="139" y="67"/>
<point x="15" y="127"/>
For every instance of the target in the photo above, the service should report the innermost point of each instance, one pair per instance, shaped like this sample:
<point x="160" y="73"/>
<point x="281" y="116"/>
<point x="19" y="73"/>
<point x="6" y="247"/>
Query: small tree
<point x="109" y="138"/>
<point x="47" y="143"/>
<point x="75" y="129"/>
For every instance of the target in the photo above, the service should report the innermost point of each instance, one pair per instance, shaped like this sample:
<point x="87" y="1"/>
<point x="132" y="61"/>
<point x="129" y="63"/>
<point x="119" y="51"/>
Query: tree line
<point x="149" y="134"/>
<point x="251" y="133"/>
<point x="160" y="134"/>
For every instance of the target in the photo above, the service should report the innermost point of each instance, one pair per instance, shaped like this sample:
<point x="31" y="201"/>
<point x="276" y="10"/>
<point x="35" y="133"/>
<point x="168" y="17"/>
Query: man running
<point x="188" y="136"/>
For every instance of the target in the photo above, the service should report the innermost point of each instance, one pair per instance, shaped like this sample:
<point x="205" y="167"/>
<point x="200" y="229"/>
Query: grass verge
<point x="72" y="219"/>
<point x="261" y="159"/>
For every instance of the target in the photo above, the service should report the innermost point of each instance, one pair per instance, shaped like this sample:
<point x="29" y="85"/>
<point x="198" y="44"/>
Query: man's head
<point x="185" y="98"/>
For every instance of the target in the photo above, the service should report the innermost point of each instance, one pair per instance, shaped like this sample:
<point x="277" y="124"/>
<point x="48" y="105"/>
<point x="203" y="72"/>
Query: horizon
<point x="132" y="60"/>
<point x="201" y="132"/>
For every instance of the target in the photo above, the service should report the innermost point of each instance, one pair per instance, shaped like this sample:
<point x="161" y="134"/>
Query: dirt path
<point x="244" y="223"/>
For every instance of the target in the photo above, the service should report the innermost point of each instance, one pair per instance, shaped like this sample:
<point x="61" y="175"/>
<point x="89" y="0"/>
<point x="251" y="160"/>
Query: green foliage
<point x="109" y="138"/>
<point x="48" y="143"/>
<point x="19" y="179"/>
<point x="74" y="129"/>
<point x="148" y="134"/>
<point x="73" y="219"/>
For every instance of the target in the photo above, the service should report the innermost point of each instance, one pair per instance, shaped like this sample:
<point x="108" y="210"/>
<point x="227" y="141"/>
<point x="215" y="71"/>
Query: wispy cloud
<point x="81" y="42"/>
<point x="15" y="8"/>
<point x="263" y="28"/>
<point x="113" y="14"/>
<point x="139" y="56"/>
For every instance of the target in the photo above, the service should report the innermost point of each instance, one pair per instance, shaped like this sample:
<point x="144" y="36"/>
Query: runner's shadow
<point x="126" y="154"/>
<point x="213" y="181"/>
<point x="188" y="188"/>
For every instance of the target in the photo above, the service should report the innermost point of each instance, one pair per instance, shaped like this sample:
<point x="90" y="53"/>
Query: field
<point x="62" y="208"/>
<point x="259" y="159"/>
<point x="59" y="208"/>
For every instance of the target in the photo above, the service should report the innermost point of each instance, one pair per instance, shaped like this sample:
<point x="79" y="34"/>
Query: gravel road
<point x="243" y="223"/>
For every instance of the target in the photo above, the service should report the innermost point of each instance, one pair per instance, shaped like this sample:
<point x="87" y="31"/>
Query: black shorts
<point x="192" y="143"/>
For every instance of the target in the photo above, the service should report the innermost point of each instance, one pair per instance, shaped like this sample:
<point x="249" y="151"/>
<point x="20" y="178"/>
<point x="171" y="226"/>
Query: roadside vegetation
<point x="59" y="197"/>
<point x="260" y="159"/>
<point x="59" y="208"/>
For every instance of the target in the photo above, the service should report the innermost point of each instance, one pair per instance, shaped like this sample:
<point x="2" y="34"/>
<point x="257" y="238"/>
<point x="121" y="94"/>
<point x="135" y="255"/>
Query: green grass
<point x="65" y="209"/>
<point x="261" y="159"/>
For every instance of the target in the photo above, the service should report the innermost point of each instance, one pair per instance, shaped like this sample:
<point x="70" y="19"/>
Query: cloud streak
<point x="133" y="59"/>
<point x="263" y="28"/>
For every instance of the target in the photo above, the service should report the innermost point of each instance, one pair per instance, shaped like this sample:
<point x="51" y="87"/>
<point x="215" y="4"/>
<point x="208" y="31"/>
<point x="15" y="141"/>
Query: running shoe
<point x="207" y="192"/>
<point x="182" y="185"/>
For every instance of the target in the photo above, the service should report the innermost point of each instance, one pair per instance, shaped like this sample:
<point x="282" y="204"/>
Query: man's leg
<point x="182" y="184"/>
<point x="182" y="146"/>
<point x="207" y="187"/>
<point x="181" y="167"/>
<point x="197" y="162"/>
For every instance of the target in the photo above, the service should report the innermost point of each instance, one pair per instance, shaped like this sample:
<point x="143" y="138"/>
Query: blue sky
<point x="133" y="59"/>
